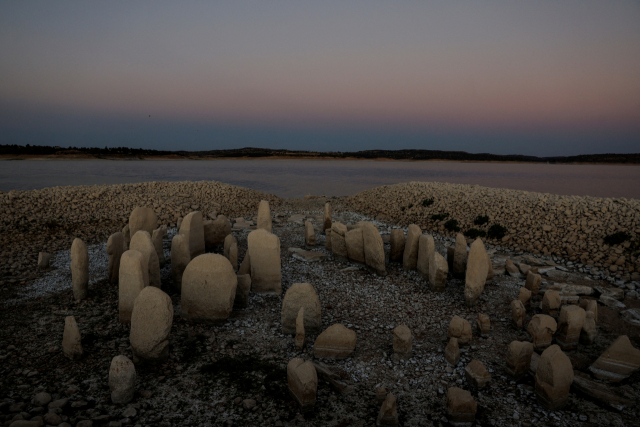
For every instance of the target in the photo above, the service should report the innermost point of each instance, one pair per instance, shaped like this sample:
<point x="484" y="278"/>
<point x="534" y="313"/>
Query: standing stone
<point x="142" y="218"/>
<point x="245" y="267"/>
<point x="461" y="329"/>
<point x="402" y="342"/>
<point x="180" y="258"/>
<point x="477" y="374"/>
<point x="141" y="242"/>
<point x="511" y="269"/>
<point x="309" y="234"/>
<point x="179" y="223"/>
<point x="476" y="274"/>
<point x="264" y="250"/>
<point x="355" y="245"/>
<point x="426" y="247"/>
<point x="484" y="325"/>
<point x="132" y="280"/>
<point x="541" y="328"/>
<point x="373" y="249"/>
<point x="242" y="291"/>
<point x="452" y="352"/>
<point x="327" y="240"/>
<point x="156" y="239"/>
<point x="151" y="322"/>
<point x="525" y="296"/>
<point x="336" y="342"/>
<point x="533" y="282"/>
<point x="554" y="376"/>
<point x="264" y="216"/>
<point x="551" y="302"/>
<point x="193" y="228"/>
<point x="215" y="231"/>
<point x="397" y="245"/>
<point x="43" y="260"/>
<point x="381" y="394"/>
<point x="228" y="241"/>
<point x="338" y="243"/>
<point x="233" y="255"/>
<point x="618" y="362"/>
<point x="71" y="341"/>
<point x="302" y="381"/>
<point x="411" y="246"/>
<point x="297" y="296"/>
<point x="326" y="219"/>
<point x="208" y="289"/>
<point x="590" y="305"/>
<point x="518" y="312"/>
<point x="122" y="379"/>
<point x="115" y="246"/>
<point x="490" y="268"/>
<point x="388" y="415"/>
<point x="460" y="257"/>
<point x="438" y="271"/>
<point x="519" y="359"/>
<point x="589" y="331"/>
<point x="461" y="407"/>
<point x="79" y="269"/>
<point x="570" y="324"/>
<point x="300" y="332"/>
<point x="126" y="232"/>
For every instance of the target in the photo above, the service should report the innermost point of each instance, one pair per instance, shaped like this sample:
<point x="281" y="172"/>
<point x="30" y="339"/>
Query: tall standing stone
<point x="71" y="341"/>
<point x="518" y="313"/>
<point x="141" y="242"/>
<point x="618" y="362"/>
<point x="264" y="216"/>
<point x="452" y="351"/>
<point x="115" y="248"/>
<point x="402" y="342"/>
<point x="426" y="247"/>
<point x="193" y="227"/>
<point x="338" y="243"/>
<point x="215" y="231"/>
<point x="122" y="379"/>
<point x="142" y="218"/>
<point x="397" y="245"/>
<point x="151" y="322"/>
<point x="264" y="249"/>
<point x="355" y="245"/>
<point x="79" y="269"/>
<point x="156" y="239"/>
<point x="302" y="381"/>
<point x="554" y="376"/>
<point x="484" y="325"/>
<point x="326" y="218"/>
<point x="132" y="281"/>
<point x="438" y="272"/>
<point x="410" y="254"/>
<point x="570" y="324"/>
<point x="373" y="248"/>
<point x="301" y="295"/>
<point x="208" y="289"/>
<point x="460" y="257"/>
<point x="180" y="258"/>
<point x="309" y="234"/>
<point x="541" y="328"/>
<point x="245" y="267"/>
<point x="476" y="274"/>
<point x="518" y="359"/>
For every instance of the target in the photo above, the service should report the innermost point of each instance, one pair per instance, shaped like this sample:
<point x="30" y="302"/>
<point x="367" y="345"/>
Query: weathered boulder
<point x="44" y="259"/>
<point x="438" y="271"/>
<point x="115" y="248"/>
<point x="461" y="329"/>
<point x="490" y="268"/>
<point x="484" y="325"/>
<point x="302" y="381"/>
<point x="524" y="296"/>
<point x="461" y="407"/>
<point x="460" y="258"/>
<point x="518" y="312"/>
<point x="477" y="374"/>
<point x="518" y="359"/>
<point x="300" y="332"/>
<point x="426" y="246"/>
<point x="451" y="253"/>
<point x="79" y="269"/>
<point x="326" y="219"/>
<point x="264" y="250"/>
<point x="126" y="232"/>
<point x="71" y="340"/>
<point x="618" y="362"/>
<point x="511" y="269"/>
<point x="541" y="328"/>
<point x="264" y="216"/>
<point x="297" y="296"/>
<point x="142" y="218"/>
<point x="156" y="239"/>
<point x="245" y="267"/>
<point x="336" y="342"/>
<point x="411" y="246"/>
<point x="397" y="245"/>
<point x="141" y="242"/>
<point x="151" y="322"/>
<point x="570" y="324"/>
<point x="193" y="227"/>
<point x="133" y="279"/>
<point x="338" y="243"/>
<point x="373" y="248"/>
<point x="452" y="352"/>
<point x="208" y="289"/>
<point x="592" y="306"/>
<point x="122" y="379"/>
<point x="388" y="415"/>
<point x="355" y="245"/>
<point x="215" y="231"/>
<point x="402" y="342"/>
<point x="476" y="272"/>
<point x="551" y="303"/>
<point x="242" y="291"/>
<point x="589" y="331"/>
<point x="233" y="255"/>
<point x="554" y="376"/>
<point x="533" y="282"/>
<point x="309" y="234"/>
<point x="228" y="241"/>
<point x="180" y="258"/>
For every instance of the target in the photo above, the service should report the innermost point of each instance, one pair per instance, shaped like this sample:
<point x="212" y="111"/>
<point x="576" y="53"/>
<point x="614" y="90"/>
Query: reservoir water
<point x="296" y="178"/>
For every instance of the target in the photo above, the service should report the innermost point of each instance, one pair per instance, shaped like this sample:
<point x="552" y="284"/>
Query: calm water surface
<point x="296" y="178"/>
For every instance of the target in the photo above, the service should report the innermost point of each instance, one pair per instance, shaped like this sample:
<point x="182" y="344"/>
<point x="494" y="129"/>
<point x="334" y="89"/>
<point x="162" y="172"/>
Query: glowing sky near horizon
<point x="541" y="78"/>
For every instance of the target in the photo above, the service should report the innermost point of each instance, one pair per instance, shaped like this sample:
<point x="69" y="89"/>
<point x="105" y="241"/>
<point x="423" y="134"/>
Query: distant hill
<point x="249" y="152"/>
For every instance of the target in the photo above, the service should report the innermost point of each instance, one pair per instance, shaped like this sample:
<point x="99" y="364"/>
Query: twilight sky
<point x="542" y="78"/>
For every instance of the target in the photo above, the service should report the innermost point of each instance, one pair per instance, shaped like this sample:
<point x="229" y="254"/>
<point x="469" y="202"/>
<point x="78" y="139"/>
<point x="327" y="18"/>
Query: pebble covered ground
<point x="234" y="374"/>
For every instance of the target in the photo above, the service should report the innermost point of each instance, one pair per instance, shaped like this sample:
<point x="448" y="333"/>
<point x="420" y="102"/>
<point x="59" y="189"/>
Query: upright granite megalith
<point x="426" y="246"/>
<point x="133" y="279"/>
<point x="115" y="248"/>
<point x="326" y="218"/>
<point x="554" y="376"/>
<point x="373" y="248"/>
<point x="79" y="269"/>
<point x="301" y="295"/>
<point x="397" y="245"/>
<point x="193" y="227"/>
<point x="151" y="322"/>
<point x="215" y="231"/>
<point x="410" y="255"/>
<point x="460" y="257"/>
<point x="141" y="242"/>
<point x="264" y="250"/>
<point x="264" y="216"/>
<point x="338" y="243"/>
<point x="142" y="218"/>
<point x="180" y="258"/>
<point x="476" y="274"/>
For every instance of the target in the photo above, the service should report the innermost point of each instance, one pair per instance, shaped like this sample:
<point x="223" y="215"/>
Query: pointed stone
<point x="484" y="325"/>
<point x="518" y="359"/>
<point x="533" y="282"/>
<point x="570" y="324"/>
<point x="411" y="246"/>
<point x="397" y="243"/>
<point x="511" y="269"/>
<point x="338" y="243"/>
<point x="452" y="352"/>
<point x="309" y="234"/>
<point x="402" y="342"/>
<point x="461" y="407"/>
<point x="476" y="272"/>
<point x="381" y="394"/>
<point x="297" y="296"/>
<point x="245" y="267"/>
<point x="355" y="245"/>
<point x="126" y="232"/>
<point x="554" y="376"/>
<point x="426" y="246"/>
<point x="618" y="362"/>
<point x="551" y="303"/>
<point x="518" y="313"/>
<point x="228" y="241"/>
<point x="242" y="291"/>
<point x="141" y="242"/>
<point x="477" y="374"/>
<point x="438" y="272"/>
<point x="336" y="342"/>
<point x="132" y="280"/>
<point x="71" y="340"/>
<point x="193" y="227"/>
<point x="180" y="258"/>
<point x="373" y="249"/>
<point x="460" y="258"/>
<point x="300" y="332"/>
<point x="151" y="322"/>
<point x="388" y="415"/>
<point x="541" y="328"/>
<point x="264" y="250"/>
<point x="302" y="380"/>
<point x="461" y="329"/>
<point x="115" y="246"/>
<point x="122" y="379"/>
<point x="264" y="216"/>
<point x="79" y="269"/>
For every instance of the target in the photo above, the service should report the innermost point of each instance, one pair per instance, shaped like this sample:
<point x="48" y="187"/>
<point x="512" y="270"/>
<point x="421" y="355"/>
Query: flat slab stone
<point x="309" y="256"/>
